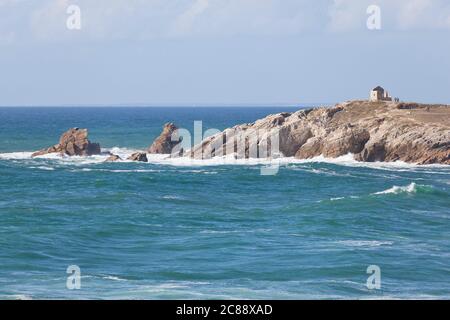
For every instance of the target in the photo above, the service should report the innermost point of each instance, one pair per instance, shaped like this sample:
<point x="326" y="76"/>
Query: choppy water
<point x="213" y="229"/>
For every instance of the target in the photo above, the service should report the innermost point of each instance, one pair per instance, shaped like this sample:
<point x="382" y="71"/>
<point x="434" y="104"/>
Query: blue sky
<point x="185" y="52"/>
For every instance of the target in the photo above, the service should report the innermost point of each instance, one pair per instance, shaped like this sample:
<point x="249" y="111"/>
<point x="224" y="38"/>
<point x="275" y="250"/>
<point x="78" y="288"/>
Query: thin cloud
<point x="109" y="20"/>
<point x="184" y="22"/>
<point x="350" y="15"/>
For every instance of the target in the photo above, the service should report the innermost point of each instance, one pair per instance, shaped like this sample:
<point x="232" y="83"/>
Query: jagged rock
<point x="113" y="158"/>
<point x="371" y="131"/>
<point x="167" y="140"/>
<point x="292" y="138"/>
<point x="374" y="151"/>
<point x="346" y="140"/>
<point x="138" y="156"/>
<point x="74" y="142"/>
<point x="312" y="148"/>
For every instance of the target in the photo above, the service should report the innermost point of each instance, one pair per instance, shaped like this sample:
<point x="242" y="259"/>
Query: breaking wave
<point x="124" y="153"/>
<point x="411" y="188"/>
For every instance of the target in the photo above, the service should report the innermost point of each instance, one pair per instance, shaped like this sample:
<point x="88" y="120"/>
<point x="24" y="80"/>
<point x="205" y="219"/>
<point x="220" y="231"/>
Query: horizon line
<point x="170" y="105"/>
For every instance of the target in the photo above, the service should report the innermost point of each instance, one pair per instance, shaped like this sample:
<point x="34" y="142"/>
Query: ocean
<point x="212" y="229"/>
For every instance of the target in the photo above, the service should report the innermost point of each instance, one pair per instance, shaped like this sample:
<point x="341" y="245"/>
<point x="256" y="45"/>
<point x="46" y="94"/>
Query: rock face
<point x="371" y="131"/>
<point x="74" y="142"/>
<point x="166" y="141"/>
<point x="113" y="158"/>
<point x="138" y="156"/>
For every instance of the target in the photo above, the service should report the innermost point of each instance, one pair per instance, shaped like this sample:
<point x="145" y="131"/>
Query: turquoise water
<point x="169" y="229"/>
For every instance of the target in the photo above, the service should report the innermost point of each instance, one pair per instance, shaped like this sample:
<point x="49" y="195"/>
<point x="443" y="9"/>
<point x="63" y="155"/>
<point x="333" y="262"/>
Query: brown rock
<point x="310" y="149"/>
<point x="292" y="138"/>
<point x="74" y="142"/>
<point x="138" y="156"/>
<point x="113" y="158"/>
<point x="53" y="149"/>
<point x="344" y="141"/>
<point x="372" y="152"/>
<point x="167" y="140"/>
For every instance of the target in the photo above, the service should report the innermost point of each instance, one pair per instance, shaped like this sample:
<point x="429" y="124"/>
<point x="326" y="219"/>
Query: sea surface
<point x="181" y="229"/>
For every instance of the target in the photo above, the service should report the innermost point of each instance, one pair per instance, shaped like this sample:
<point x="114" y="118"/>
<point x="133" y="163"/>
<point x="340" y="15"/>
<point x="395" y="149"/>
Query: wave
<point x="172" y="197"/>
<point x="114" y="278"/>
<point x="54" y="157"/>
<point x="124" y="153"/>
<point x="115" y="170"/>
<point x="365" y="243"/>
<point x="43" y="168"/>
<point x="16" y="155"/>
<point x="411" y="188"/>
<point x="342" y="198"/>
<point x="337" y="198"/>
<point x="80" y="160"/>
<point x="260" y="230"/>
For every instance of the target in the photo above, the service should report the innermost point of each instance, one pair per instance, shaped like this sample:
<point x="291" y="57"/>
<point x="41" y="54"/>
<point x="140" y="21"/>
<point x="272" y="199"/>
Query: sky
<point x="222" y="52"/>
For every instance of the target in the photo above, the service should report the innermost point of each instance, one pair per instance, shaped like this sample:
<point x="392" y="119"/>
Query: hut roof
<point x="378" y="88"/>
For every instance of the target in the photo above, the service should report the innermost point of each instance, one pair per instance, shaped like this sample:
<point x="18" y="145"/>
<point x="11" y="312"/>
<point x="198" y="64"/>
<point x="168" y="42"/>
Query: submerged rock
<point x="138" y="156"/>
<point x="74" y="142"/>
<point x="167" y="140"/>
<point x="371" y="131"/>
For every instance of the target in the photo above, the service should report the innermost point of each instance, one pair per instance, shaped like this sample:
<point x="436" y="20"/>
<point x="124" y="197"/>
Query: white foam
<point x="172" y="197"/>
<point x="345" y="160"/>
<point x="128" y="171"/>
<point x="80" y="160"/>
<point x="411" y="188"/>
<point x="43" y="168"/>
<point x="114" y="170"/>
<point x="235" y="231"/>
<point x="16" y="155"/>
<point x="365" y="243"/>
<point x="232" y="160"/>
<point x="114" y="278"/>
<point x="75" y="160"/>
<point x="124" y="153"/>
<point x="216" y="161"/>
<point x="349" y="160"/>
<point x="337" y="198"/>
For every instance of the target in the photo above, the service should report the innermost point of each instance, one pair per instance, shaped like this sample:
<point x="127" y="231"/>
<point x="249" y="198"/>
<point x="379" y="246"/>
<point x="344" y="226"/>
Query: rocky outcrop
<point x="113" y="158"/>
<point x="371" y="131"/>
<point x="167" y="140"/>
<point x="342" y="141"/>
<point x="74" y="142"/>
<point x="138" y="156"/>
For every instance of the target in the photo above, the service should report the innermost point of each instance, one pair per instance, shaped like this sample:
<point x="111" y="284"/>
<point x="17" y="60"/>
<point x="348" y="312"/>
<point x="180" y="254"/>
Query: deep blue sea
<point x="205" y="230"/>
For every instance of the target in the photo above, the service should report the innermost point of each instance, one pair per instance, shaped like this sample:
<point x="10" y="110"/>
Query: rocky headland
<point x="371" y="131"/>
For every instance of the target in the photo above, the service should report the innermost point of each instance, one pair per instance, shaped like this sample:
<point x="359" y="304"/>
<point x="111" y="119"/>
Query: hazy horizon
<point x="175" y="105"/>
